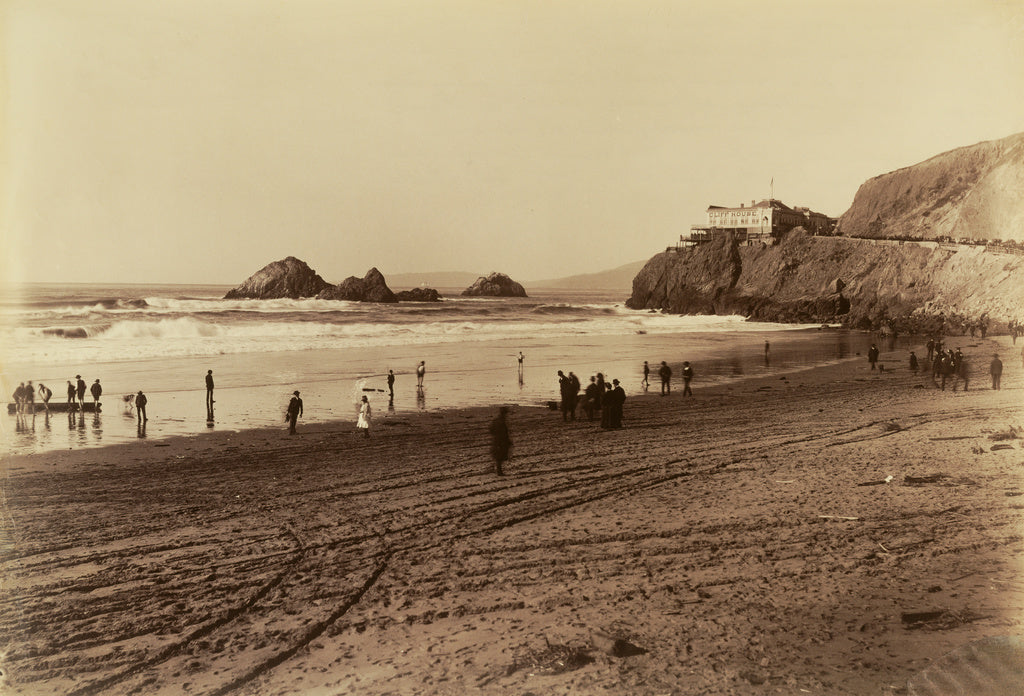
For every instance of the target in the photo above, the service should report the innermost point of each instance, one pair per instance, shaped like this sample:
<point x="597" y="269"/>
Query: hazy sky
<point x="194" y="141"/>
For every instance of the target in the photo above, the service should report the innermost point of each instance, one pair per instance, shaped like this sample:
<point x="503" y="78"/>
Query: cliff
<point x="969" y="193"/>
<point x="289" y="277"/>
<point x="861" y="283"/>
<point x="370" y="288"/>
<point x="495" y="285"/>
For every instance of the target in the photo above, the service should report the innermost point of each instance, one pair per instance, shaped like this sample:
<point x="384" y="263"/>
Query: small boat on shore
<point x="59" y="407"/>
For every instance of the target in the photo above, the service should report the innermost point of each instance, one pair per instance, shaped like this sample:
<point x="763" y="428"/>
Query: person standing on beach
<point x="29" y="398"/>
<point x="646" y="382"/>
<point x="209" y="394"/>
<point x="501" y="441"/>
<point x="44" y="395"/>
<point x="960" y="371"/>
<point x="365" y="414"/>
<point x="520" y="364"/>
<point x="71" y="393"/>
<point x="294" y="411"/>
<point x="606" y="406"/>
<point x="421" y="370"/>
<point x="767" y="346"/>
<point x="873" y="355"/>
<point x="19" y="398"/>
<point x="566" y="397"/>
<point x="995" y="368"/>
<point x="391" y="384"/>
<point x="591" y="398"/>
<point x="80" y="391"/>
<point x="140" y="407"/>
<point x="97" y="391"/>
<point x="665" y="372"/>
<point x="931" y="349"/>
<point x="913" y="362"/>
<point x="687" y="376"/>
<point x="618" y="399"/>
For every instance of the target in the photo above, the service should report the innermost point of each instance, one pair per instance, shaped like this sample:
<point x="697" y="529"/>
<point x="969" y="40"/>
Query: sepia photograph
<point x="565" y="347"/>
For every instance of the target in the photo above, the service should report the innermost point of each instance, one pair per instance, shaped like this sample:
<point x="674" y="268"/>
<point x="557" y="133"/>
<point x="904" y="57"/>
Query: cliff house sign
<point x="761" y="222"/>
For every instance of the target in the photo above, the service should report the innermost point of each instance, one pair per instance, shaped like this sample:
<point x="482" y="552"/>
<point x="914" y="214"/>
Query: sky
<point x="195" y="141"/>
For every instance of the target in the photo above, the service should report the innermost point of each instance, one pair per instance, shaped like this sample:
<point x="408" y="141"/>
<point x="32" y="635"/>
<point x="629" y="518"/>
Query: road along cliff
<point x="877" y="284"/>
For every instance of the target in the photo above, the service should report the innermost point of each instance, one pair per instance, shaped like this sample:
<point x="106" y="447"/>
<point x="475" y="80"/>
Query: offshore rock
<point x="909" y="287"/>
<point x="419" y="295"/>
<point x="495" y="285"/>
<point x="289" y="278"/>
<point x="370" y="288"/>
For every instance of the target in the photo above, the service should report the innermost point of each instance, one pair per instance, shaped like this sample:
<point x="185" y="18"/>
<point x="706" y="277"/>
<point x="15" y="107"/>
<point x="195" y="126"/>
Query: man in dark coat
<point x="568" y="397"/>
<point x="873" y="355"/>
<point x="618" y="399"/>
<point x="591" y="398"/>
<point x="209" y="393"/>
<point x="687" y="376"/>
<point x="501" y="441"/>
<point x="294" y="411"/>
<point x="665" y="372"/>
<point x="140" y="407"/>
<point x="995" y="368"/>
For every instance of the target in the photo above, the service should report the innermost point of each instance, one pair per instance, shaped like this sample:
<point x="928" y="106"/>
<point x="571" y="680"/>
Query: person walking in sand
<point x="646" y="382"/>
<point x="44" y="395"/>
<point x="80" y="391"/>
<point x="140" y="407"/>
<point x="209" y="394"/>
<point x="294" y="411"/>
<point x="391" y="384"/>
<point x="501" y="441"/>
<point x="97" y="391"/>
<point x="365" y="414"/>
<point x="995" y="368"/>
<point x="665" y="372"/>
<point x="421" y="371"/>
<point x="873" y="355"/>
<point x="687" y="376"/>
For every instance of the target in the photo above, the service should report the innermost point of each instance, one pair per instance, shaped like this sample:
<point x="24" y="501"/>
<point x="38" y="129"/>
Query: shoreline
<point x="331" y="381"/>
<point x="743" y="538"/>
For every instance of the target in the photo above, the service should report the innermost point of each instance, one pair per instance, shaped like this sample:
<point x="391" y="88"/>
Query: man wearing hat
<point x="294" y="411"/>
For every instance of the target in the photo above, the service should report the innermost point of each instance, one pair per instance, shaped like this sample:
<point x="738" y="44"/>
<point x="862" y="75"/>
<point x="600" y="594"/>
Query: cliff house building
<point x="760" y="222"/>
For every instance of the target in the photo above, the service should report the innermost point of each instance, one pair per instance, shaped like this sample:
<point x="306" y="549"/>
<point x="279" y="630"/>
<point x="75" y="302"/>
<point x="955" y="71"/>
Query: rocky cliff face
<point x="289" y="277"/>
<point x="370" y="288"/>
<point x="861" y="283"/>
<point x="972" y="192"/>
<point x="495" y="285"/>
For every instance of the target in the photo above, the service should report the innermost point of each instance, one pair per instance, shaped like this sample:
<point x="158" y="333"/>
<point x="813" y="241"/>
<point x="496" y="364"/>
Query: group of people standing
<point x="25" y="395"/>
<point x="606" y="397"/>
<point x="947" y="364"/>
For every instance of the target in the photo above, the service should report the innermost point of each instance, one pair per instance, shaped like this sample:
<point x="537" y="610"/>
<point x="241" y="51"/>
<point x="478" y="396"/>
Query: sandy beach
<point x="831" y="531"/>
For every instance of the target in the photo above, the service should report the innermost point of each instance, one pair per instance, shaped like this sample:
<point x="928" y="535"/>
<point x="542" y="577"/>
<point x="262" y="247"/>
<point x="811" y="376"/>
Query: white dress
<point x="364" y="416"/>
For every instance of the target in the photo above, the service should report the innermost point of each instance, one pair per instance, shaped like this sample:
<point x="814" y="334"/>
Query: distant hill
<point x="620" y="278"/>
<point x="434" y="279"/>
<point x="971" y="192"/>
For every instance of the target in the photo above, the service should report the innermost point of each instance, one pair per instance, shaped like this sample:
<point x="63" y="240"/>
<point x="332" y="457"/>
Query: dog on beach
<point x="129" y="401"/>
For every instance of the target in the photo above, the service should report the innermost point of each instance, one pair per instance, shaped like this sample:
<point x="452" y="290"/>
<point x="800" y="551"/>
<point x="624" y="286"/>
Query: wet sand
<point x="742" y="540"/>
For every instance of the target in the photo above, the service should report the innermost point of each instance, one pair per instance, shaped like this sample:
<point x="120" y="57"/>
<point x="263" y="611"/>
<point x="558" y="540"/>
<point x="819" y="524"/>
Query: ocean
<point x="162" y="339"/>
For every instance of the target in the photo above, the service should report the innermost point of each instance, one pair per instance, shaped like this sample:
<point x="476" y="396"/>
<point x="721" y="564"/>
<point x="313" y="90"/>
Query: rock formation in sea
<point x="289" y="277"/>
<point x="901" y="279"/>
<point x="370" y="288"/>
<point x="419" y="295"/>
<point x="495" y="285"/>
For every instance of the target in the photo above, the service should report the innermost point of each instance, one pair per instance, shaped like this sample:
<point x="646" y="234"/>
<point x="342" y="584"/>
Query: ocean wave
<point x="73" y="332"/>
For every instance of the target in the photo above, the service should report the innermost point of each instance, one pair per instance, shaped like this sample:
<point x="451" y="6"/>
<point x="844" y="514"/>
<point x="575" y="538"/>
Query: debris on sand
<point x="551" y="659"/>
